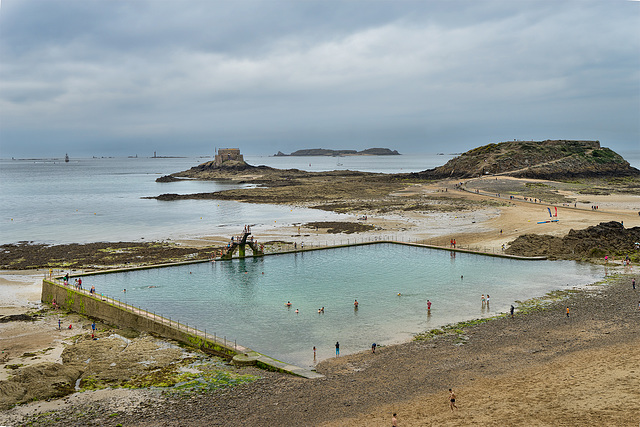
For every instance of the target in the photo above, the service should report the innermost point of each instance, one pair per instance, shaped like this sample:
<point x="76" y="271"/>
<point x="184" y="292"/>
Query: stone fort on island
<point x="227" y="154"/>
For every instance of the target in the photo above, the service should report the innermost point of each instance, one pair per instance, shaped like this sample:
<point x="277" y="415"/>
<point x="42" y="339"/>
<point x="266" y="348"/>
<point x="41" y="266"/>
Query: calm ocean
<point x="100" y="199"/>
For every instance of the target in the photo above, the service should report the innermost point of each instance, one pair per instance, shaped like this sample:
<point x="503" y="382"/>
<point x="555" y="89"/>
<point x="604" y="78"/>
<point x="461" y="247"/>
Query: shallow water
<point x="91" y="200"/>
<point x="245" y="299"/>
<point x="101" y="199"/>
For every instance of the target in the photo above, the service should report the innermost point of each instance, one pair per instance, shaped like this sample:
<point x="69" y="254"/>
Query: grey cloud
<point x="289" y="74"/>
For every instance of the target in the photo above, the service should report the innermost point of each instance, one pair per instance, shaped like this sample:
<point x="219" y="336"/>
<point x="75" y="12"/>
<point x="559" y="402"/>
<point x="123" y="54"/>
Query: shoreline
<point x="493" y="366"/>
<point x="482" y="361"/>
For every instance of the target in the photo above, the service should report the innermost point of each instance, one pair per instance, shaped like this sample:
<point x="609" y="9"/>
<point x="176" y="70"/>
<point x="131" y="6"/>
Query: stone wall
<point x="124" y="315"/>
<point x="225" y="154"/>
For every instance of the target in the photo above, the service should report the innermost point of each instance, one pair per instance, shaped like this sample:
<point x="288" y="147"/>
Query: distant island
<point x="326" y="152"/>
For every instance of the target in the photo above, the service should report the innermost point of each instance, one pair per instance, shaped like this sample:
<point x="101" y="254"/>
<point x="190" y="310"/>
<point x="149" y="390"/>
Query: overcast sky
<point x="183" y="77"/>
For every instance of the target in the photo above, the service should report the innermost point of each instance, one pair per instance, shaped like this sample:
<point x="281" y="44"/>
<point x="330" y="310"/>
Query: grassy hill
<point x="551" y="159"/>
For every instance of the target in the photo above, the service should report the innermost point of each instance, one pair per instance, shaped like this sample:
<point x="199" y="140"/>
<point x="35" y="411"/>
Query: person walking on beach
<point x="567" y="312"/>
<point x="512" y="310"/>
<point x="394" y="420"/>
<point x="633" y="282"/>
<point x="337" y="349"/>
<point x="452" y="400"/>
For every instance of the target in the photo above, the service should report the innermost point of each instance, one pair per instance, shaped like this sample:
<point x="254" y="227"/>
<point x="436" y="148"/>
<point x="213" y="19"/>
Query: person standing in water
<point x="355" y="304"/>
<point x="428" y="305"/>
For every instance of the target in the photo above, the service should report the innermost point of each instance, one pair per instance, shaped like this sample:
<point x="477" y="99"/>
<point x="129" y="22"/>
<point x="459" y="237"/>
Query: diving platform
<point x="240" y="244"/>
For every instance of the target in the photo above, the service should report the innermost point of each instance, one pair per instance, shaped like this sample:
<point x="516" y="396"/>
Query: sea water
<point x="103" y="199"/>
<point x="245" y="299"/>
<point x="90" y="200"/>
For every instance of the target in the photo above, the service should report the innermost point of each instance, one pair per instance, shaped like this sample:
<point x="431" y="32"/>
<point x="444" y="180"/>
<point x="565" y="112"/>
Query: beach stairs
<point x="241" y="245"/>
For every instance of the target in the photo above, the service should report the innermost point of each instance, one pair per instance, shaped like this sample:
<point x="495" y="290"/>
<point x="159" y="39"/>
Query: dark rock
<point x="606" y="238"/>
<point x="168" y="178"/>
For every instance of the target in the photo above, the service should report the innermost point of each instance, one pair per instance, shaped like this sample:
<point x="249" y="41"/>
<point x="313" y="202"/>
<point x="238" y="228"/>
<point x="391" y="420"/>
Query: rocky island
<point x="550" y="159"/>
<point x="334" y="153"/>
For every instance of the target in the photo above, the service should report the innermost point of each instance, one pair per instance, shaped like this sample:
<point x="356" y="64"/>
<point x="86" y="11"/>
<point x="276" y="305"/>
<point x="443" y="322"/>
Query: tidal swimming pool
<point x="244" y="299"/>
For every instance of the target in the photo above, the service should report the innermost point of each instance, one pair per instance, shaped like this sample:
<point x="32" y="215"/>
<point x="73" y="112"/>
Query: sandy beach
<point x="539" y="368"/>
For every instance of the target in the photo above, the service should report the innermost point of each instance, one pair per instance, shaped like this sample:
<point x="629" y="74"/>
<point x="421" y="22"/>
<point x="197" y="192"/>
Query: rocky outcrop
<point x="605" y="239"/>
<point x="167" y="178"/>
<point x="551" y="159"/>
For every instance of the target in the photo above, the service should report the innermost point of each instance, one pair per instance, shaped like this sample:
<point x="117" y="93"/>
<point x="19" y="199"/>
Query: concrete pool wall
<point x="125" y="315"/>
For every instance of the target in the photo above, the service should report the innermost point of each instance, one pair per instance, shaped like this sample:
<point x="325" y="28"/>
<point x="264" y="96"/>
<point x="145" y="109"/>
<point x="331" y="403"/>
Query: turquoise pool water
<point x="245" y="299"/>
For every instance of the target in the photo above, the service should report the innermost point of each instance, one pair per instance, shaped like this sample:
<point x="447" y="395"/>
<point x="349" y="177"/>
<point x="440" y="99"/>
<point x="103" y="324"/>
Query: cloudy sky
<point x="182" y="77"/>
